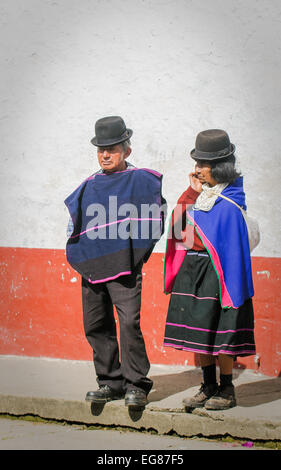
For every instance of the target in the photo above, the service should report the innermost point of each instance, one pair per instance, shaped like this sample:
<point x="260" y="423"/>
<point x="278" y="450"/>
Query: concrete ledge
<point x="55" y="389"/>
<point x="200" y="422"/>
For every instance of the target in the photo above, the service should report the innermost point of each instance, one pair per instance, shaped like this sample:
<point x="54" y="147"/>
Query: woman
<point x="208" y="271"/>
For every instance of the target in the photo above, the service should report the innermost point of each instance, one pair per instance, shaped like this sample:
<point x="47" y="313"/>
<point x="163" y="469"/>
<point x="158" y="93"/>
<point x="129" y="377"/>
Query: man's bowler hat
<point x="110" y="130"/>
<point x="212" y="144"/>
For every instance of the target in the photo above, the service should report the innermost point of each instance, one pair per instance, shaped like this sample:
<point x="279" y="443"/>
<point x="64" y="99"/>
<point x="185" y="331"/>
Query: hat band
<point x="220" y="153"/>
<point x="108" y="141"/>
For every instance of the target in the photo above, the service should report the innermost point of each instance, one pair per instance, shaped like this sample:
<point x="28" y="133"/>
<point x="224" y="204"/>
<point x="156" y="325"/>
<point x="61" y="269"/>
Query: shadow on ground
<point x="248" y="394"/>
<point x="167" y="385"/>
<point x="258" y="393"/>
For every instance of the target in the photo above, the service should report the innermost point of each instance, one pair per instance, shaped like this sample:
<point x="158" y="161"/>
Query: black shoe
<point x="136" y="398"/>
<point x="103" y="395"/>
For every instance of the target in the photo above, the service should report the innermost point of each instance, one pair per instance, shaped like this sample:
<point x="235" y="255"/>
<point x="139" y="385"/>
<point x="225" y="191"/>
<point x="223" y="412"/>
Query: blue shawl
<point x="113" y="228"/>
<point x="223" y="232"/>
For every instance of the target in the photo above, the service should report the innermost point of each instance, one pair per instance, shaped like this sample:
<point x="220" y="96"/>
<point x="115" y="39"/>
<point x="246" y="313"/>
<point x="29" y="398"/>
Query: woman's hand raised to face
<point x="194" y="182"/>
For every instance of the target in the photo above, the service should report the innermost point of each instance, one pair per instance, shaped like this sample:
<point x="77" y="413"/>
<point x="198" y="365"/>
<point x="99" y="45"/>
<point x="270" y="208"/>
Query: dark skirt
<point x="197" y="323"/>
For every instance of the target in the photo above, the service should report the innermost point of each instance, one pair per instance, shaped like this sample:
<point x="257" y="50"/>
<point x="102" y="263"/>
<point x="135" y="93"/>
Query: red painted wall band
<point x="41" y="310"/>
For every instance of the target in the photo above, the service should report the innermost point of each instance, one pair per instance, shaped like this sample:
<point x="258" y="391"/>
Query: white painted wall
<point x="170" y="68"/>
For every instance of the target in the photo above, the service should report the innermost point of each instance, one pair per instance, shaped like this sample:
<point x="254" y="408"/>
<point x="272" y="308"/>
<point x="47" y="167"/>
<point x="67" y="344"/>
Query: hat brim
<point x="199" y="155"/>
<point x="108" y="142"/>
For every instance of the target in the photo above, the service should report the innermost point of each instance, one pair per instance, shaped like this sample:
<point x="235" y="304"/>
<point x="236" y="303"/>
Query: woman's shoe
<point x="201" y="397"/>
<point x="223" y="399"/>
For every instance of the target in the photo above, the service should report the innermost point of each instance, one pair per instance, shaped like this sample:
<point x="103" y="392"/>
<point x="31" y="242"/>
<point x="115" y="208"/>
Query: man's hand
<point x="194" y="182"/>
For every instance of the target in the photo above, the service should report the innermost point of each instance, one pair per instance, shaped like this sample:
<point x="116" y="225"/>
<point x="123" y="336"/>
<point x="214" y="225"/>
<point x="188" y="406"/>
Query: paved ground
<point x="55" y="389"/>
<point x="23" y="435"/>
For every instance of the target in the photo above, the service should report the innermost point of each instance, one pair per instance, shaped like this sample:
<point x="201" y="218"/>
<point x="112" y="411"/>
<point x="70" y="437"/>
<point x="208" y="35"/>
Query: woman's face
<point x="203" y="173"/>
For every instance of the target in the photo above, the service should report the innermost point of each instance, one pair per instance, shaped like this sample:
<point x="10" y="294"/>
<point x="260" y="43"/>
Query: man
<point x="112" y="235"/>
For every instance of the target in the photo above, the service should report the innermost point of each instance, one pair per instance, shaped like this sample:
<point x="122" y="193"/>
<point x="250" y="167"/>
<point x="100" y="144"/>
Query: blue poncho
<point x="117" y="220"/>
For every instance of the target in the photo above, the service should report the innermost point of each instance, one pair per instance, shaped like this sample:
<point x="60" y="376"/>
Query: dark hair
<point x="224" y="171"/>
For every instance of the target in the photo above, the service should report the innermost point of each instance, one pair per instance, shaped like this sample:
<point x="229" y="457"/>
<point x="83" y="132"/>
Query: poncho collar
<point x="208" y="196"/>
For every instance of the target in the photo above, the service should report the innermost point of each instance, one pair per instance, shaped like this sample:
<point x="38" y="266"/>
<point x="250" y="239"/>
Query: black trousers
<point x="130" y="370"/>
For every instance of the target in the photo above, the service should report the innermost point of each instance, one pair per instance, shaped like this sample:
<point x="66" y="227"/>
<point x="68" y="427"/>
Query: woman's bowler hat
<point x="110" y="130"/>
<point x="212" y="144"/>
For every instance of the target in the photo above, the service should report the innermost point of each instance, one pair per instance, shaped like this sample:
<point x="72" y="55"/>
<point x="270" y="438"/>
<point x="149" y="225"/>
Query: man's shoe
<point x="223" y="399"/>
<point x="103" y="395"/>
<point x="136" y="398"/>
<point x="201" y="397"/>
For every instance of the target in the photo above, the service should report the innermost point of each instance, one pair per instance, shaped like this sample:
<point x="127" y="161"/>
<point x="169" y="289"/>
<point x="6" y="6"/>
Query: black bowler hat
<point x="110" y="130"/>
<point x="212" y="144"/>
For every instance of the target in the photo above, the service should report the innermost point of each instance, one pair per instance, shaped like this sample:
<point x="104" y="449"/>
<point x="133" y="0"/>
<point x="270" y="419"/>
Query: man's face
<point x="112" y="158"/>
